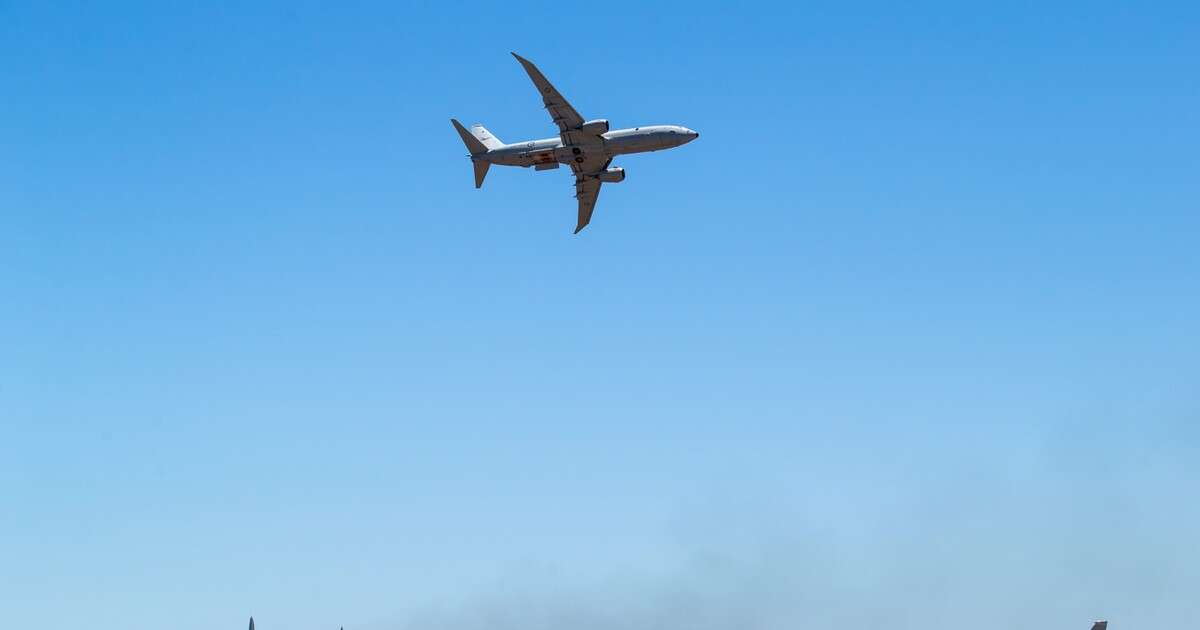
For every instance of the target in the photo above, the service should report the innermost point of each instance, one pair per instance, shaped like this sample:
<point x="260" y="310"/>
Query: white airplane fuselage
<point x="612" y="143"/>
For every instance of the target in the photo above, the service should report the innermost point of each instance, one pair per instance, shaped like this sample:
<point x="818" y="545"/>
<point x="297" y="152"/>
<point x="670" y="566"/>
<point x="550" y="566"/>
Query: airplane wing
<point x="587" y="189"/>
<point x="588" y="161"/>
<point x="587" y="186"/>
<point x="561" y="112"/>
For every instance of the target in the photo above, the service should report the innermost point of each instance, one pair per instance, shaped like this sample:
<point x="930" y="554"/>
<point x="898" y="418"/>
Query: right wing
<point x="587" y="189"/>
<point x="587" y="185"/>
<point x="560" y="110"/>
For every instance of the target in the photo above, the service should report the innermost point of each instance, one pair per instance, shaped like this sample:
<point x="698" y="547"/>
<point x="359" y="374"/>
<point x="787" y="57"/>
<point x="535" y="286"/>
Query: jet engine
<point x="595" y="127"/>
<point x="612" y="175"/>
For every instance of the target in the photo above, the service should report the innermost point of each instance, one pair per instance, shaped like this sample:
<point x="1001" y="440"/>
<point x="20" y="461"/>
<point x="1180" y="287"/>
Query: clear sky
<point x="908" y="338"/>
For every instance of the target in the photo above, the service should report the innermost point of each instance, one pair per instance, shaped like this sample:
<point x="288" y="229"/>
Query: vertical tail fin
<point x="1100" y="625"/>
<point x="483" y="135"/>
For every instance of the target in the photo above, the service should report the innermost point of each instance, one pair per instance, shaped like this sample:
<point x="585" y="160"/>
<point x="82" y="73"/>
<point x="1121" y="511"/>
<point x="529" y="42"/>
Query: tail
<point x="479" y="141"/>
<point x="483" y="135"/>
<point x="1100" y="625"/>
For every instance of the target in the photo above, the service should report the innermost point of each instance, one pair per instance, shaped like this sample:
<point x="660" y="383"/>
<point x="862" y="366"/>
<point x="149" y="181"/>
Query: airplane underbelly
<point x="533" y="156"/>
<point x="577" y="154"/>
<point x="633" y="144"/>
<point x="541" y="157"/>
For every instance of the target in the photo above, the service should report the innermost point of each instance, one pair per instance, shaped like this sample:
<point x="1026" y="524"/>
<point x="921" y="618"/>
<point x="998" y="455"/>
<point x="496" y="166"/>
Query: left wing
<point x="560" y="110"/>
<point x="587" y="189"/>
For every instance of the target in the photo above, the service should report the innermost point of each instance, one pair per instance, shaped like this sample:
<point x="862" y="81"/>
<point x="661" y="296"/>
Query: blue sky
<point x="908" y="337"/>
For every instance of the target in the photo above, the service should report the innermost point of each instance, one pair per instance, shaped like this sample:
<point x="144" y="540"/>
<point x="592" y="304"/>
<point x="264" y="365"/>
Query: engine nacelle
<point x="595" y="127"/>
<point x="612" y="175"/>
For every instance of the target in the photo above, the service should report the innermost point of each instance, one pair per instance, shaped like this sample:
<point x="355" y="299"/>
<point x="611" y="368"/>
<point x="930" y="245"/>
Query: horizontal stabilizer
<point x="481" y="169"/>
<point x="474" y="146"/>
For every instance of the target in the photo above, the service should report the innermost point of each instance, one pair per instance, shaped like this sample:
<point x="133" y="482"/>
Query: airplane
<point x="252" y="625"/>
<point x="587" y="146"/>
